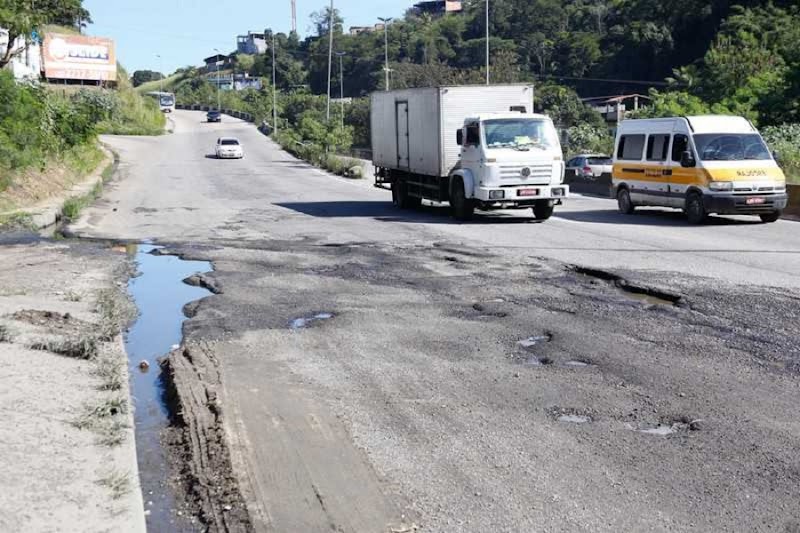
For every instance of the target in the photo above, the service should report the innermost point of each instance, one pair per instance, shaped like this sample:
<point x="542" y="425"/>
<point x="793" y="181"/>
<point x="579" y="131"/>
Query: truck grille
<point x="535" y="172"/>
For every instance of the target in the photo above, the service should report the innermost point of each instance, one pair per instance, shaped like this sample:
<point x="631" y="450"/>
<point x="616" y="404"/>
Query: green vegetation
<point x="72" y="207"/>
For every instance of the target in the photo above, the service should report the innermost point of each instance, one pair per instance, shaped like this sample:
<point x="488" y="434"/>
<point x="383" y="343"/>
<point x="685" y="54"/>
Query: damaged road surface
<point x="361" y="368"/>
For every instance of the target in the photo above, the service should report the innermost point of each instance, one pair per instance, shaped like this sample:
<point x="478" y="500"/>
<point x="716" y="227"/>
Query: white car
<point x="589" y="166"/>
<point x="229" y="148"/>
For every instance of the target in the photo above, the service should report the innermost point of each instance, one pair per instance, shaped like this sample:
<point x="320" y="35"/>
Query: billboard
<point x="78" y="57"/>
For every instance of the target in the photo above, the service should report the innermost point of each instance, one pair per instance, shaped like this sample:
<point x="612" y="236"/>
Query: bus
<point x="166" y="101"/>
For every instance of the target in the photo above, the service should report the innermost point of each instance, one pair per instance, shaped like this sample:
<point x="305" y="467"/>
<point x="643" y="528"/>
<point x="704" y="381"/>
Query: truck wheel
<point x="624" y="202"/>
<point x="543" y="209"/>
<point x="695" y="209"/>
<point x="461" y="207"/>
<point x="769" y="218"/>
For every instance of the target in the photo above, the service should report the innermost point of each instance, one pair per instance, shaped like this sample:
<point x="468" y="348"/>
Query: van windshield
<point x="520" y="134"/>
<point x="731" y="147"/>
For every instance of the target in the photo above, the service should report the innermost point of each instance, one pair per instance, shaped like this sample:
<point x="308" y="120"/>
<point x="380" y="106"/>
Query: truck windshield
<point x="520" y="133"/>
<point x="731" y="147"/>
<point x="167" y="100"/>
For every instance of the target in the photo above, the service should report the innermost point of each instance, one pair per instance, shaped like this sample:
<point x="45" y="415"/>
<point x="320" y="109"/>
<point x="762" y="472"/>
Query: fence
<point x="247" y="117"/>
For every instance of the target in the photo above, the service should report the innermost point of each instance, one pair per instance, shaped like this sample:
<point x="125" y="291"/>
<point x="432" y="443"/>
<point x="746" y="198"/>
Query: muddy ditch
<point x="630" y="290"/>
<point x="163" y="286"/>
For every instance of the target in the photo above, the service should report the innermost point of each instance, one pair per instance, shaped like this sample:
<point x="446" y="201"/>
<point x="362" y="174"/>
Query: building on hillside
<point x="357" y="30"/>
<point x="439" y="7"/>
<point x="26" y="65"/>
<point x="614" y="109"/>
<point x="218" y="62"/>
<point x="253" y="43"/>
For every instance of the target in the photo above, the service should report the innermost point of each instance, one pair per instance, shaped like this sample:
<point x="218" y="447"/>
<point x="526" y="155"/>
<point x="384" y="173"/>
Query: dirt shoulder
<point x="67" y="449"/>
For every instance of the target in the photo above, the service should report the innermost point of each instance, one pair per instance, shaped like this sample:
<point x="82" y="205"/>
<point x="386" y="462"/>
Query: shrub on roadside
<point x="785" y="139"/>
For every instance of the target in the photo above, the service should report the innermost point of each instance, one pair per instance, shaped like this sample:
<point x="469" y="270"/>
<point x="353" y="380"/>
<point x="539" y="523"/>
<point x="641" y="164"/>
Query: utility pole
<point x="487" y="42"/>
<point x="274" y="89"/>
<point x="219" y="100"/>
<point x="294" y="16"/>
<point x="386" y="22"/>
<point x="341" y="83"/>
<point x="330" y="62"/>
<point x="160" y="76"/>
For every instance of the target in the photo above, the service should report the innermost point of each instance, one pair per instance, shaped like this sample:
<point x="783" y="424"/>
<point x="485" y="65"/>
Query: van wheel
<point x="695" y="209"/>
<point x="769" y="218"/>
<point x="624" y="202"/>
<point x="543" y="209"/>
<point x="461" y="207"/>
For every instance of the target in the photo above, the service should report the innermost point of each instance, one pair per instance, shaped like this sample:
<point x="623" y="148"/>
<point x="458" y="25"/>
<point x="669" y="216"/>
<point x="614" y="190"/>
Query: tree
<point x="143" y="76"/>
<point x="21" y="17"/>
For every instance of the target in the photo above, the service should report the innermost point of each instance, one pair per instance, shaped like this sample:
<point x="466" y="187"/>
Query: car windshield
<point x="600" y="161"/>
<point x="520" y="134"/>
<point x="229" y="142"/>
<point x="731" y="147"/>
<point x="167" y="100"/>
<point x="213" y="112"/>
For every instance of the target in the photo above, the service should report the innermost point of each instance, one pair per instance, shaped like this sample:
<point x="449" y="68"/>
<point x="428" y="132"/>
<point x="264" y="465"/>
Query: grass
<point x="169" y="84"/>
<point x="135" y="115"/>
<point x="107" y="418"/>
<point x="117" y="481"/>
<point x="111" y="372"/>
<point x="115" y="311"/>
<point x="72" y="207"/>
<point x="14" y="221"/>
<point x="83" y="347"/>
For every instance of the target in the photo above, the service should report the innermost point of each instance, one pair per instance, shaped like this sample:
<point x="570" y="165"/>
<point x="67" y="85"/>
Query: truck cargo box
<point x="414" y="130"/>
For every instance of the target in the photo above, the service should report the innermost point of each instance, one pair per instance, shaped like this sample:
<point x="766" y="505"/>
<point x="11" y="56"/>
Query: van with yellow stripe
<point x="702" y="165"/>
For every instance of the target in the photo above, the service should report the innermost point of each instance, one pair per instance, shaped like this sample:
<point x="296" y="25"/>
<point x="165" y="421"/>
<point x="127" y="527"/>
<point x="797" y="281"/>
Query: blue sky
<point x="186" y="31"/>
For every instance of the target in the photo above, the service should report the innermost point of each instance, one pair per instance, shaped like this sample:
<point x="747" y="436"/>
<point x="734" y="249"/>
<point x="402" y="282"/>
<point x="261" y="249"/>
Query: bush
<point x="588" y="139"/>
<point x="785" y="139"/>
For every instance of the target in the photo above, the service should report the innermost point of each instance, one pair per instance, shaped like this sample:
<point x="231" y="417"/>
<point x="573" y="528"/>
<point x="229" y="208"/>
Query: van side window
<point x="657" y="147"/>
<point x="680" y="143"/>
<point x="631" y="147"/>
<point x="473" y="135"/>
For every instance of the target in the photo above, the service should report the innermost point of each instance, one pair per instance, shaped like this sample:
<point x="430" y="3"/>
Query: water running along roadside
<point x="160" y="294"/>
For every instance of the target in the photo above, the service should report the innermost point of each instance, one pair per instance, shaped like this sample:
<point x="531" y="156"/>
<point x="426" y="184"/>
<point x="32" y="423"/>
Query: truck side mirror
<point x="687" y="160"/>
<point x="460" y="137"/>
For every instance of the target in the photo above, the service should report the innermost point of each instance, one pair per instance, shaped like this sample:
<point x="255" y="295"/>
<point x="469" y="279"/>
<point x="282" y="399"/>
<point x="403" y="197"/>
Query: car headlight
<point x="721" y="185"/>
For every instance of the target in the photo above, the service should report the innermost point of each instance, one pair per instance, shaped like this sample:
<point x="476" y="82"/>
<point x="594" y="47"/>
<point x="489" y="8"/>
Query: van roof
<point x="697" y="123"/>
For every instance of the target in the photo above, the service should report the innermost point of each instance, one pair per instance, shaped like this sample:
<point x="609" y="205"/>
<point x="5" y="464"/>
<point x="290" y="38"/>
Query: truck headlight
<point x="497" y="195"/>
<point x="721" y="186"/>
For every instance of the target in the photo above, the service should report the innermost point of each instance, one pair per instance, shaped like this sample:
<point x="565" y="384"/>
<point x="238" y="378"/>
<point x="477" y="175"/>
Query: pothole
<point x="631" y="291"/>
<point x="530" y="342"/>
<point x="665" y="429"/>
<point x="160" y="296"/>
<point x="304" y="322"/>
<point x="569" y="415"/>
<point x="576" y="363"/>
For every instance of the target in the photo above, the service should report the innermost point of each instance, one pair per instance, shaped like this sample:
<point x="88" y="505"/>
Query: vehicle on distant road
<point x="476" y="147"/>
<point x="229" y="148"/>
<point x="166" y="101"/>
<point x="702" y="165"/>
<point x="214" y="116"/>
<point x="589" y="166"/>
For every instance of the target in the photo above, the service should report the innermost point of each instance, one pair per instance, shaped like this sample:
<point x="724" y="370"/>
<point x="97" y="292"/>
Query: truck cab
<point x="508" y="161"/>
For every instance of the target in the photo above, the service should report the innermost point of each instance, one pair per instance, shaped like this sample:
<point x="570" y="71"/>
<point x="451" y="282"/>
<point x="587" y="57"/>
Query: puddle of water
<point x="533" y="341"/>
<point x="660" y="431"/>
<point x="647" y="298"/>
<point x="160" y="295"/>
<point x="577" y="364"/>
<point x="574" y="419"/>
<point x="302" y="322"/>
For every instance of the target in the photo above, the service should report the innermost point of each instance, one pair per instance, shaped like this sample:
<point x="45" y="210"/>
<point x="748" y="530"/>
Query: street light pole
<point x="330" y="62"/>
<point x="487" y="42"/>
<point x="341" y="83"/>
<point x="274" y="90"/>
<point x="386" y="22"/>
<point x="219" y="99"/>
<point x="160" y="75"/>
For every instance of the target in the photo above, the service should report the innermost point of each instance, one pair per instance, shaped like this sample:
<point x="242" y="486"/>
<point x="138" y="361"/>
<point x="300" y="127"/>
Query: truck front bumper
<point x="519" y="197"/>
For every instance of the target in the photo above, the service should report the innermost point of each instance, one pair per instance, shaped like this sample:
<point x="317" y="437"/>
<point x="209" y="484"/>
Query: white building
<point x="28" y="63"/>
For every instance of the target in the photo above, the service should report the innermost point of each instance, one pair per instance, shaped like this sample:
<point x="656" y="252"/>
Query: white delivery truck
<point x="477" y="147"/>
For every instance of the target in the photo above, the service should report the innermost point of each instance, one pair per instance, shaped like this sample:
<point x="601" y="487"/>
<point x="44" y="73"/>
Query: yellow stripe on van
<point x="693" y="176"/>
<point x="747" y="174"/>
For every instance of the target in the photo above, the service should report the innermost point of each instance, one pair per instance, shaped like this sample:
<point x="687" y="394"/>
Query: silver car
<point x="589" y="166"/>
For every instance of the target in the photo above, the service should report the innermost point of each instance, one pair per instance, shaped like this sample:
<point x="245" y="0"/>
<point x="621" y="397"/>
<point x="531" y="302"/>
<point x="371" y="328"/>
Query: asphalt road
<point x="407" y="399"/>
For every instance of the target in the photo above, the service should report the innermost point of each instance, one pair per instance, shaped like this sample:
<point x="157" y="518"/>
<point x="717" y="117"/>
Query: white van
<point x="702" y="165"/>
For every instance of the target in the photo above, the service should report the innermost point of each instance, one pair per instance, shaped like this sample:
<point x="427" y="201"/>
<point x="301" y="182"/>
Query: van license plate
<point x="755" y="201"/>
<point x="528" y="192"/>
